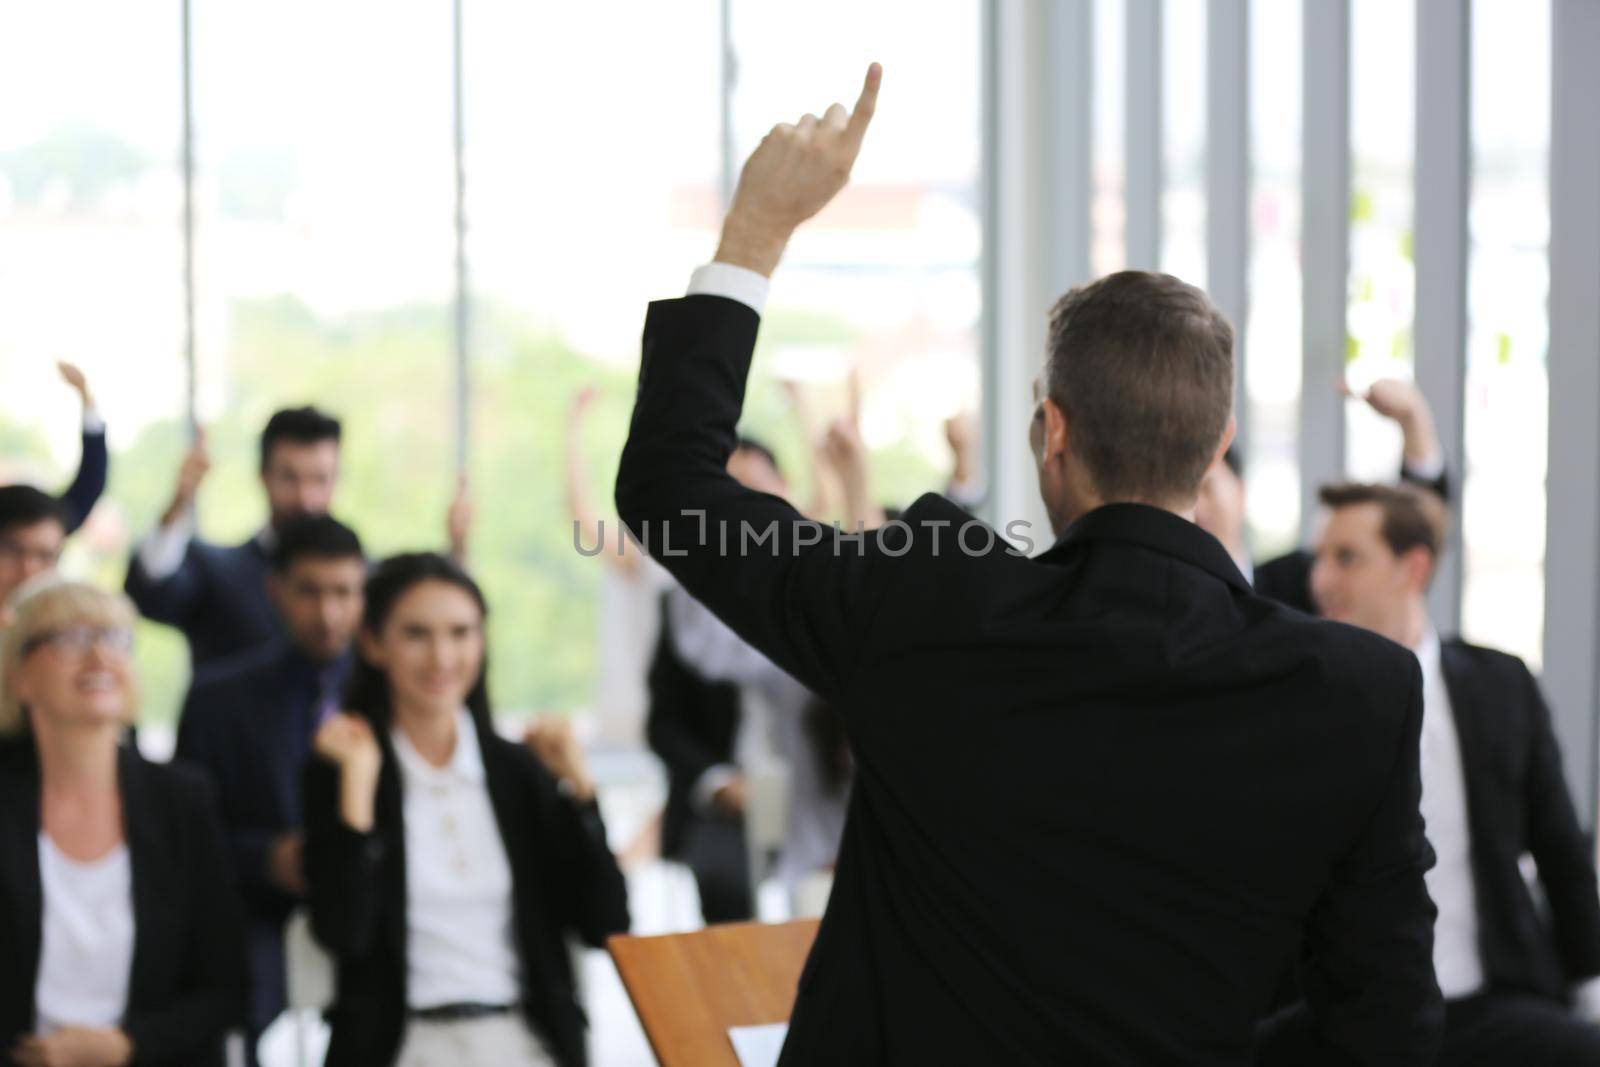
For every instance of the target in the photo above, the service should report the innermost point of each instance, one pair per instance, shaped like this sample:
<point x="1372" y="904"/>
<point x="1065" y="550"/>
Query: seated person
<point x="33" y="527"/>
<point x="1286" y="579"/>
<point x="1518" y="990"/>
<point x="446" y="865"/>
<point x="698" y="726"/>
<point x="122" y="940"/>
<point x="249" y="725"/>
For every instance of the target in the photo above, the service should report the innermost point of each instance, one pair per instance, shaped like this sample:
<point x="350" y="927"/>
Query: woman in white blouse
<point x="447" y="865"/>
<point x="122" y="941"/>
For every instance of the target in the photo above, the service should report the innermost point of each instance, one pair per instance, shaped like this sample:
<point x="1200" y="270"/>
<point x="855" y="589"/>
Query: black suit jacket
<point x="1517" y="802"/>
<point x="187" y="985"/>
<point x="1102" y="796"/>
<point x="94" y="463"/>
<point x="246" y="725"/>
<point x="563" y="877"/>
<point x="1287" y="578"/>
<point x="217" y="598"/>
<point x="691" y="725"/>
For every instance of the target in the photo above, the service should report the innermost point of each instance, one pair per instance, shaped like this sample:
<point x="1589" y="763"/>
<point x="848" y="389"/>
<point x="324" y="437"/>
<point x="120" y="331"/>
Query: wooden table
<point x="690" y="988"/>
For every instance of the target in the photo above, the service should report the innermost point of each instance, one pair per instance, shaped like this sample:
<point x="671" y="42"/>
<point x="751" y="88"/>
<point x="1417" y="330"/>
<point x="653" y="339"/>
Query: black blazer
<point x="563" y="879"/>
<point x="93" y="465"/>
<point x="247" y="725"/>
<point x="1287" y="578"/>
<point x="1102" y="796"/>
<point x="690" y="724"/>
<point x="217" y="598"/>
<point x="187" y="984"/>
<point x="1517" y="802"/>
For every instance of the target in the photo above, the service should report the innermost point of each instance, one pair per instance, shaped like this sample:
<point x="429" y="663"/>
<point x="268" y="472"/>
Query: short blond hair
<point x="39" y="606"/>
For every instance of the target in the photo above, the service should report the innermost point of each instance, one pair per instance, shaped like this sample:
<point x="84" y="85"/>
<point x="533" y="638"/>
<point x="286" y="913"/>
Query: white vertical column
<point x="1572" y="547"/>
<point x="1142" y="135"/>
<point x="1325" y="244"/>
<point x="1228" y="176"/>
<point x="1019" y="228"/>
<point x="1443" y="187"/>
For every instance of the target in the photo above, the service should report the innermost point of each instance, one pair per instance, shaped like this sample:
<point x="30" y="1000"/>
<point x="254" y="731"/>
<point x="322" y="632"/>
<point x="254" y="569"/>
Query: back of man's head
<point x="1141" y="364"/>
<point x="302" y="426"/>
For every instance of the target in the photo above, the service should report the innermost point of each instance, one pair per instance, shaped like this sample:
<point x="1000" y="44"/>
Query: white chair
<point x="310" y="980"/>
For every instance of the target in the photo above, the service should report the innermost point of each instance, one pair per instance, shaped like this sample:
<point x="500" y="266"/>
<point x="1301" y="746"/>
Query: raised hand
<point x="458" y="520"/>
<point x="552" y="739"/>
<point x="1400" y="401"/>
<point x="191" y="472"/>
<point x="73" y="376"/>
<point x="347" y="741"/>
<point x="793" y="173"/>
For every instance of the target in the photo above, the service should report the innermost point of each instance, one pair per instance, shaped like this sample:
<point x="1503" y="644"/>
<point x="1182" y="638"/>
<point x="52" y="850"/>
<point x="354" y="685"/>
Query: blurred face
<point x="28" y="550"/>
<point x="1219" y="510"/>
<point x="1359" y="580"/>
<point x="754" y="471"/>
<point x="77" y="673"/>
<point x="430" y="648"/>
<point x="320" y="601"/>
<point x="300" y="478"/>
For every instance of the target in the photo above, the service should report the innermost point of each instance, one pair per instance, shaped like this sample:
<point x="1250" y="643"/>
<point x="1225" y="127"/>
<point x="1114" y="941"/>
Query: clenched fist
<point x="792" y="174"/>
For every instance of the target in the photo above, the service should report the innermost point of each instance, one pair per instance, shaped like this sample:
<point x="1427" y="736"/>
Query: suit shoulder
<point x="185" y="787"/>
<point x="1482" y="658"/>
<point x="221" y="684"/>
<point x="1359" y="665"/>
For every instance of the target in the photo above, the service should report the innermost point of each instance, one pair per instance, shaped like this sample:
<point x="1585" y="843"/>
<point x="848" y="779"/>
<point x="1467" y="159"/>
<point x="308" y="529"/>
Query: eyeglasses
<point x="74" y="642"/>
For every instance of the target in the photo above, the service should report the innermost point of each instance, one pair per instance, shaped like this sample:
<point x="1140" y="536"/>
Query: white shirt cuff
<point x="706" y="786"/>
<point x="162" y="552"/>
<point x="92" y="422"/>
<point x="735" y="283"/>
<point x="1586" y="998"/>
<point x="1428" y="470"/>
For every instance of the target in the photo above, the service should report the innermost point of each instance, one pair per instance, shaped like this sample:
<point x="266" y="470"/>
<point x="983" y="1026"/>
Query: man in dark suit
<point x="250" y="724"/>
<point x="218" y="595"/>
<point x="1519" y="989"/>
<point x="1287" y="578"/>
<point x="33" y="527"/>
<point x="1104" y="796"/>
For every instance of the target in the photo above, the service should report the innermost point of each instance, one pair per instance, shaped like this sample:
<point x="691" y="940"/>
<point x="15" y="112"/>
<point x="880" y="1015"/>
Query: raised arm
<point x="591" y="528"/>
<point x="94" y="461"/>
<point x="755" y="561"/>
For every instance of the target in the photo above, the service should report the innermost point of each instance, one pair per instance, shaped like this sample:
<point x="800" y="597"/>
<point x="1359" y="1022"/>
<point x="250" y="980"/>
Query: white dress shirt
<point x="1456" y="958"/>
<point x="460" y="946"/>
<point x="86" y="943"/>
<point x="771" y="731"/>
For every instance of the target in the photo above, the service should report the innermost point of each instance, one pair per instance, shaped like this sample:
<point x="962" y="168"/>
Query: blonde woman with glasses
<point x="121" y="940"/>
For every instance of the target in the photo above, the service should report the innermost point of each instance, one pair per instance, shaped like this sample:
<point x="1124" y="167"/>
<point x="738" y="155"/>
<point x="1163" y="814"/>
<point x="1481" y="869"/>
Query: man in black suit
<point x="1220" y="510"/>
<point x="1518" y="989"/>
<point x="1103" y="797"/>
<point x="250" y="724"/>
<point x="33" y="527"/>
<point x="217" y="595"/>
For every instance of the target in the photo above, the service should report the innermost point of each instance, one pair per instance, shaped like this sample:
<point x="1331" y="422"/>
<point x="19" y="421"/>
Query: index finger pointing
<point x="867" y="103"/>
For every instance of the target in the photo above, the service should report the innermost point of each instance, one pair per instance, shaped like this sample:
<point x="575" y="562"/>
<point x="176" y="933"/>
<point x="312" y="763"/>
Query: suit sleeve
<point x="213" y="998"/>
<point x="590" y="888"/>
<point x="343" y="869"/>
<point x="1367" y="969"/>
<point x="1559" y="846"/>
<point x="93" y="465"/>
<point x="772" y="575"/>
<point x="1438" y="484"/>
<point x="173" y="599"/>
<point x="203" y="745"/>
